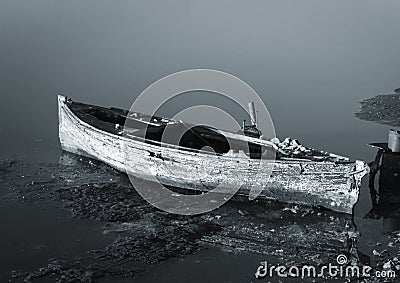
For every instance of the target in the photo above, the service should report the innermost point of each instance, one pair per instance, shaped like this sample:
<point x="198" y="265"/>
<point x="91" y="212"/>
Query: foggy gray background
<point x="310" y="61"/>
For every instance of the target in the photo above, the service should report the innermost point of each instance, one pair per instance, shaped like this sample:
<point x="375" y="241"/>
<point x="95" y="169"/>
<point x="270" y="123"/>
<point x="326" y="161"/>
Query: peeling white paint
<point x="317" y="183"/>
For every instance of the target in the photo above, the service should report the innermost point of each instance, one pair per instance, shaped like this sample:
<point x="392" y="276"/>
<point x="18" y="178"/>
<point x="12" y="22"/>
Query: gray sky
<point x="308" y="60"/>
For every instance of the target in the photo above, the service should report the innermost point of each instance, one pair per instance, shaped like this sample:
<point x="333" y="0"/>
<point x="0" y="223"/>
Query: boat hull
<point x="317" y="183"/>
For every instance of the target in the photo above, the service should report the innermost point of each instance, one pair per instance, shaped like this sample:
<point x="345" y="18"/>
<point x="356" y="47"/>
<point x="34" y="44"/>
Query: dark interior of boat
<point x="153" y="130"/>
<point x="163" y="131"/>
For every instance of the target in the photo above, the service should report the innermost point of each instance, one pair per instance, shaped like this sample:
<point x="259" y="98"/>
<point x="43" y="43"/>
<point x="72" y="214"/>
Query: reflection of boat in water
<point x="386" y="199"/>
<point x="299" y="174"/>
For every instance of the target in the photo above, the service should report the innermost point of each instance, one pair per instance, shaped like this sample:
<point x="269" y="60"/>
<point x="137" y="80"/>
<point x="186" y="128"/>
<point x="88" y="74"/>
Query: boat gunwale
<point x="131" y="140"/>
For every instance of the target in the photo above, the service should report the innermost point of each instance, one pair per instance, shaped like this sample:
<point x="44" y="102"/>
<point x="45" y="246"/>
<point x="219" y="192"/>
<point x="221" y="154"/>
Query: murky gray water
<point x="311" y="62"/>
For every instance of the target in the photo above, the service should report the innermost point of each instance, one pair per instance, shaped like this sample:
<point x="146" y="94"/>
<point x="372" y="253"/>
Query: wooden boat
<point x="299" y="174"/>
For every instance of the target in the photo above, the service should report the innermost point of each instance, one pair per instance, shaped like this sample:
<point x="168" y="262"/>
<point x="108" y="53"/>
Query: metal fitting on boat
<point x="394" y="140"/>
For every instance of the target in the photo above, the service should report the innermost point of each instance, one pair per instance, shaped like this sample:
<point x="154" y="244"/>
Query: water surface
<point x="310" y="61"/>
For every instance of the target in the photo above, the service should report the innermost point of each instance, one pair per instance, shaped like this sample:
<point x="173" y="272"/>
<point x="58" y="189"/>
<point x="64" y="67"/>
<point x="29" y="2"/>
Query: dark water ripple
<point x="142" y="235"/>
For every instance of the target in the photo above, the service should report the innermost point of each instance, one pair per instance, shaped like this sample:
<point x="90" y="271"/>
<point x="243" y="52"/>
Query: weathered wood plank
<point x="318" y="183"/>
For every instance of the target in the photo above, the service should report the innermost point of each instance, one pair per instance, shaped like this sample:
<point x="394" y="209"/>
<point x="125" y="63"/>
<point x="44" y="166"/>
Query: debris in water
<point x="144" y="235"/>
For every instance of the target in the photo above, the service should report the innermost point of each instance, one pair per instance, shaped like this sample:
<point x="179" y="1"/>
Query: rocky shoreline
<point x="382" y="109"/>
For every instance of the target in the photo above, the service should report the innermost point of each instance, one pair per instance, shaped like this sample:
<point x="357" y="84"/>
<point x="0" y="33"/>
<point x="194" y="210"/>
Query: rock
<point x="383" y="109"/>
<point x="376" y="253"/>
<point x="387" y="265"/>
